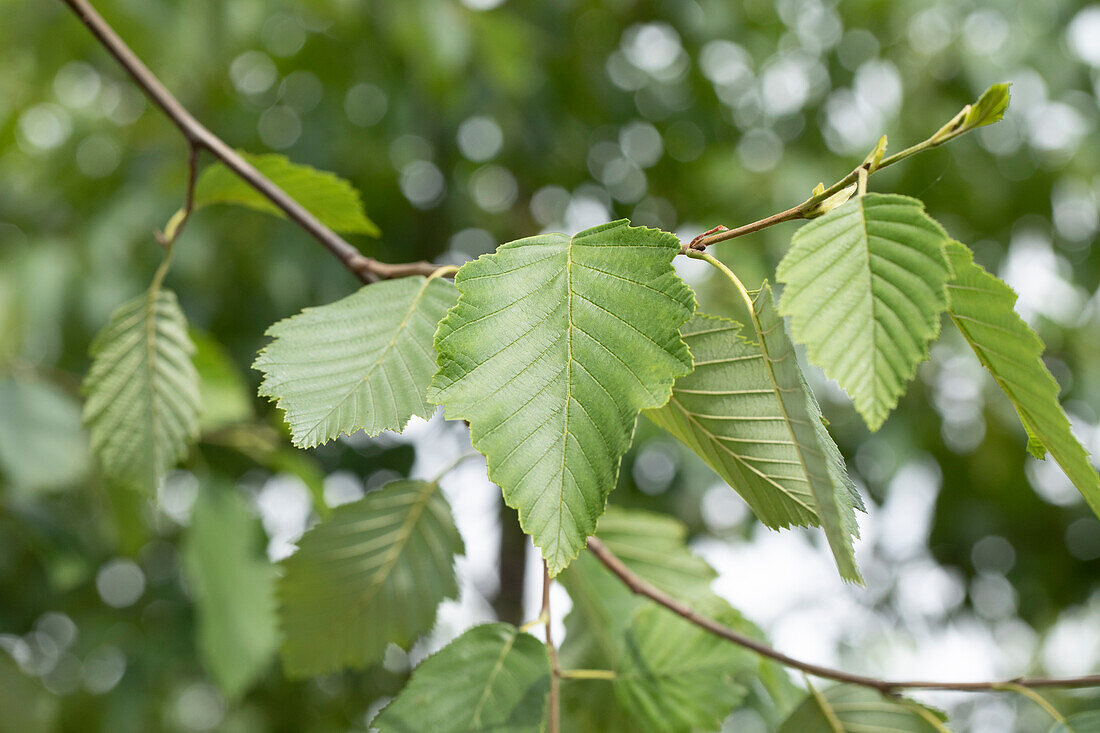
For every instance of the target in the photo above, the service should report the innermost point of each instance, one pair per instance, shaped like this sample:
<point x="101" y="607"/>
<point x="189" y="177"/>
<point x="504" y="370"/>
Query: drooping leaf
<point x="42" y="442"/>
<point x="982" y="309"/>
<point x="328" y="197"/>
<point x="492" y="678"/>
<point x="142" y="391"/>
<point x="728" y="411"/>
<point x="234" y="588"/>
<point x="554" y="347"/>
<point x="864" y="288"/>
<point x="675" y="676"/>
<point x="373" y="573"/>
<point x="361" y="363"/>
<point x="1080" y="723"/>
<point x="854" y="709"/>
<point x="835" y="496"/>
<point x="226" y="397"/>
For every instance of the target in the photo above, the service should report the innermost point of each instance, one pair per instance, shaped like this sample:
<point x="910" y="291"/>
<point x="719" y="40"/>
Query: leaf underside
<point x="853" y="709"/>
<point x="373" y="573"/>
<point x="835" y="496"/>
<point x="142" y="396"/>
<point x="864" y="288"/>
<point x="492" y="678"/>
<point x="330" y="198"/>
<point x="982" y="307"/>
<point x="728" y="411"/>
<point x="554" y="347"/>
<point x="361" y="363"/>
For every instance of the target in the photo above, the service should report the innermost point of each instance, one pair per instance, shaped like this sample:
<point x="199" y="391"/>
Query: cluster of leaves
<point x="550" y="348"/>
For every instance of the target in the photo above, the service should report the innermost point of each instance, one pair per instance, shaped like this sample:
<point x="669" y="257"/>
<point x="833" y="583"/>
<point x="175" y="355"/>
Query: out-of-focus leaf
<point x="25" y="706"/>
<point x="372" y="574"/>
<point x="142" y="393"/>
<point x="234" y="588"/>
<point x="42" y="442"/>
<point x="982" y="308"/>
<point x="328" y="197"/>
<point x="554" y="347"/>
<point x="226" y="398"/>
<point x="492" y="678"/>
<point x="1081" y="723"/>
<point x="854" y="709"/>
<point x="361" y="363"/>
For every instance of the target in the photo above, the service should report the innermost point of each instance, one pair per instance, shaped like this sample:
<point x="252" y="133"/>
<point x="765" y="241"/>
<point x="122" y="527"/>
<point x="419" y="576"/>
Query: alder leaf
<point x="374" y="573"/>
<point x="492" y="678"/>
<point x="728" y="411"/>
<point x="982" y="309"/>
<point x="361" y="363"/>
<point x="226" y="396"/>
<point x="234" y="587"/>
<point x="142" y="391"/>
<point x="854" y="709"/>
<point x="1080" y="723"/>
<point x="835" y="496"/>
<point x="328" y="197"/>
<point x="554" y="347"/>
<point x="989" y="108"/>
<point x="864" y="288"/>
<point x="43" y="445"/>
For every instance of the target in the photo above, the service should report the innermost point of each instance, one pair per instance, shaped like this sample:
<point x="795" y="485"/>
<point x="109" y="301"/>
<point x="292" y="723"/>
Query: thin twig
<point x="554" y="712"/>
<point x="642" y="588"/>
<point x="367" y="269"/>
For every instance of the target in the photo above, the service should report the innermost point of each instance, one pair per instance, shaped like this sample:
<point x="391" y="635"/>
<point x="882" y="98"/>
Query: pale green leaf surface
<point x="234" y="587"/>
<point x="820" y="461"/>
<point x="554" y="347"/>
<point x="27" y="707"/>
<point x="492" y="678"/>
<point x="728" y="411"/>
<point x="989" y="108"/>
<point x="328" y="197"/>
<point x="43" y="445"/>
<point x="1080" y="723"/>
<point x="371" y="574"/>
<point x="226" y="397"/>
<point x="854" y="709"/>
<point x="982" y="308"/>
<point x="864" y="288"/>
<point x="361" y="363"/>
<point x="142" y="395"/>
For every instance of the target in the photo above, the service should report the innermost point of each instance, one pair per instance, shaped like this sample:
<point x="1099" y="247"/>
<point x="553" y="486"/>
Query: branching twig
<point x="642" y="588"/>
<point x="554" y="712"/>
<point x="199" y="137"/>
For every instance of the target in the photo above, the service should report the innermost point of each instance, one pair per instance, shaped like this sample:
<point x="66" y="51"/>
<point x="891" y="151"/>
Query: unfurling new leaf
<point x="334" y="201"/>
<point x="492" y="678"/>
<point x="373" y="573"/>
<point x="554" y="347"/>
<point x="982" y="308"/>
<point x="142" y="392"/>
<point x="864" y="288"/>
<point x="361" y="363"/>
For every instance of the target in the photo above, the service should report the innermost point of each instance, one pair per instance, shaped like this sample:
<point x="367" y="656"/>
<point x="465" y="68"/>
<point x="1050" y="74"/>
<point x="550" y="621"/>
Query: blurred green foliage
<point x="464" y="125"/>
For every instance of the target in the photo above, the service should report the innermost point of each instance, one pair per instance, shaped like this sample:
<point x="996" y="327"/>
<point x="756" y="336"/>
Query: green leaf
<point x="226" y="397"/>
<point x="372" y="574"/>
<point x="234" y="588"/>
<point x="27" y="706"/>
<point x="1081" y="723"/>
<point x="674" y="676"/>
<point x="328" y="197"/>
<point x="142" y="391"/>
<point x="361" y="363"/>
<point x="989" y="108"/>
<point x="492" y="678"/>
<point x="728" y="411"/>
<point x="864" y="291"/>
<point x="853" y="709"/>
<point x="554" y="347"/>
<point x="982" y="308"/>
<point x="42" y="442"/>
<point x="820" y="461"/>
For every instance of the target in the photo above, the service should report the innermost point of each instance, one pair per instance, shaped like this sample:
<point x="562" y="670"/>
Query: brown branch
<point x="642" y="588"/>
<point x="554" y="704"/>
<point x="367" y="269"/>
